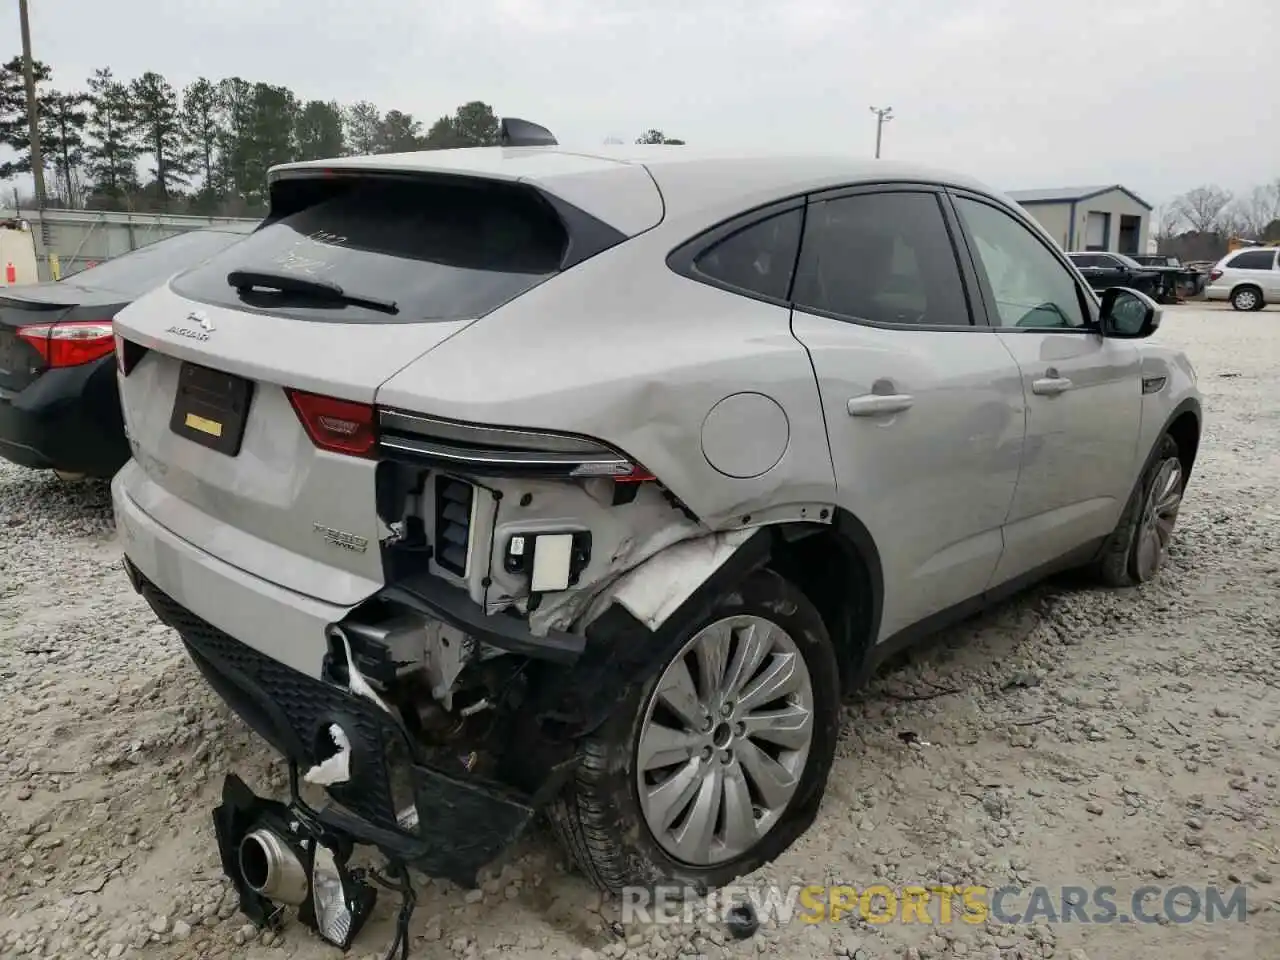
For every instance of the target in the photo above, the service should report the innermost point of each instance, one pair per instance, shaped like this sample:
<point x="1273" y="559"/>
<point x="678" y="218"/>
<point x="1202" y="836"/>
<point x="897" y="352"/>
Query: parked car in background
<point x="594" y="480"/>
<point x="59" y="402"/>
<point x="1187" y="279"/>
<point x="1249" y="278"/>
<point x="1105" y="270"/>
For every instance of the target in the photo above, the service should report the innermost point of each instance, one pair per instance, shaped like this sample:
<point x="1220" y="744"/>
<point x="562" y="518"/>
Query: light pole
<point x="883" y="115"/>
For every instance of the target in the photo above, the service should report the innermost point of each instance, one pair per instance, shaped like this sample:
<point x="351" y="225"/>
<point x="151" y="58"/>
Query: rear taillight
<point x="70" y="344"/>
<point x="1214" y="275"/>
<point x="637" y="475"/>
<point x="338" y="426"/>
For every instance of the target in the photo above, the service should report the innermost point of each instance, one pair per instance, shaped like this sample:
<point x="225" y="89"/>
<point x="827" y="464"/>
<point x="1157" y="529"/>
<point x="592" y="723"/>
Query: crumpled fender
<point x="635" y="625"/>
<point x="652" y="591"/>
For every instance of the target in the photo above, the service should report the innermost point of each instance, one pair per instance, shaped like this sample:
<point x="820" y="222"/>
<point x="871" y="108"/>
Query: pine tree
<point x="113" y="148"/>
<point x="319" y="131"/>
<point x="399" y="132"/>
<point x="15" y="131"/>
<point x="201" y="129"/>
<point x="155" y="106"/>
<point x="63" y="120"/>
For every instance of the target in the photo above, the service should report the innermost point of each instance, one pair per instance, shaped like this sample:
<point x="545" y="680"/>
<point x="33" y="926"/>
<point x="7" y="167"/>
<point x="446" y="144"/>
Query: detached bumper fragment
<point x="279" y="856"/>
<point x="449" y="824"/>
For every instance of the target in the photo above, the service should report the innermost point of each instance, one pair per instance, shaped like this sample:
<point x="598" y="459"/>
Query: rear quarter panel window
<point x="440" y="250"/>
<point x="757" y="259"/>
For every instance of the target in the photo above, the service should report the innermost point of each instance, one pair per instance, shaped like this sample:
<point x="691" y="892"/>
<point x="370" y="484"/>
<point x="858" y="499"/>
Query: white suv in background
<point x="1249" y="279"/>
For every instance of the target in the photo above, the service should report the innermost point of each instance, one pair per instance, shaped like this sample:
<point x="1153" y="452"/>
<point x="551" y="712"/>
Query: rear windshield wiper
<point x="322" y="289"/>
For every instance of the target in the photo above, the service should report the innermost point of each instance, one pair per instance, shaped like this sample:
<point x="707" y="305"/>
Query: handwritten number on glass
<point x="296" y="260"/>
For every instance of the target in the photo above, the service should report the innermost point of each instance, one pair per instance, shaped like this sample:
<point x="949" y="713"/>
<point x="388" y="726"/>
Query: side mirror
<point x="1128" y="314"/>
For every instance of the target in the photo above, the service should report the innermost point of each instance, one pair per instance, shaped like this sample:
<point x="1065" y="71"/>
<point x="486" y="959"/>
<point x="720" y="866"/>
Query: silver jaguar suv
<point x="491" y="482"/>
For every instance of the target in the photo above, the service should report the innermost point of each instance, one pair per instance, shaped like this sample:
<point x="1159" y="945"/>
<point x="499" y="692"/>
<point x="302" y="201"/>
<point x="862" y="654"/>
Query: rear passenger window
<point x="1253" y="260"/>
<point x="883" y="258"/>
<point x="758" y="259"/>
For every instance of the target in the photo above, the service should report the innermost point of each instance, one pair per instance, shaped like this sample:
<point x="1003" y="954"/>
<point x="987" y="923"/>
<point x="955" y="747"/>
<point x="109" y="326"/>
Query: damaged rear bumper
<point x="445" y="822"/>
<point x="422" y="804"/>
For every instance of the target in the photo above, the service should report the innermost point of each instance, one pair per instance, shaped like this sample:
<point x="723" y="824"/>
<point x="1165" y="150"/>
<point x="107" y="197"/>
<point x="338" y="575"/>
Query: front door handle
<point x="1051" y="386"/>
<point x="876" y="404"/>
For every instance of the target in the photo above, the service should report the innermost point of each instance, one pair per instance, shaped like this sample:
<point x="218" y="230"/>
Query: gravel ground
<point x="1071" y="737"/>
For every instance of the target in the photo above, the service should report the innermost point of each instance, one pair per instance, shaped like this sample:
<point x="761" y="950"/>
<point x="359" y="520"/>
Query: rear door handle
<point x="876" y="404"/>
<point x="1051" y="386"/>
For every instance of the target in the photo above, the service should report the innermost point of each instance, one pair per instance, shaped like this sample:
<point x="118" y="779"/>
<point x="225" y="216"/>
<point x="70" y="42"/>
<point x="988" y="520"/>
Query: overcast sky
<point x="1160" y="95"/>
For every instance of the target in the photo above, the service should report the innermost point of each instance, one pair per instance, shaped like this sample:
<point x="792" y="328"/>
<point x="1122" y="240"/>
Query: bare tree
<point x="1169" y="221"/>
<point x="1202" y="208"/>
<point x="1251" y="214"/>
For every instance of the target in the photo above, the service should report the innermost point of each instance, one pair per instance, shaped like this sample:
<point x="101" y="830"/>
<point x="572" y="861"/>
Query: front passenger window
<point x="1030" y="285"/>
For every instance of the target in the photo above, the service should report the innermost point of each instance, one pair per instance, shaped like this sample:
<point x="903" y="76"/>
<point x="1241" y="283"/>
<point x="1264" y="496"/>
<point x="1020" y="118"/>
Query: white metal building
<point x="1110" y="217"/>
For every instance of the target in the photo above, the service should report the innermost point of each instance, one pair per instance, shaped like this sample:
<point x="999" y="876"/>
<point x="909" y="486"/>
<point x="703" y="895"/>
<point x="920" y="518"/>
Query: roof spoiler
<point x="513" y="132"/>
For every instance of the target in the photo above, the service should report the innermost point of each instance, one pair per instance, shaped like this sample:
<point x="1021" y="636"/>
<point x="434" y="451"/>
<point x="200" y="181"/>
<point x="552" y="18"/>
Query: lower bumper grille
<point x="462" y="824"/>
<point x="288" y="709"/>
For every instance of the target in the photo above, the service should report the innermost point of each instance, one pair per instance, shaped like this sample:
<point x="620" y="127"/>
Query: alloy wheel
<point x="724" y="740"/>
<point x="1159" y="514"/>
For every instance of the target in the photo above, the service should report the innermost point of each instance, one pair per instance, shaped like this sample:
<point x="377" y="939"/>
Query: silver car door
<point x="1083" y="392"/>
<point x="924" y="409"/>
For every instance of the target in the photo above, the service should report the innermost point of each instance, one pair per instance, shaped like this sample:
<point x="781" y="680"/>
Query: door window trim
<point x="1084" y="293"/>
<point x="968" y="280"/>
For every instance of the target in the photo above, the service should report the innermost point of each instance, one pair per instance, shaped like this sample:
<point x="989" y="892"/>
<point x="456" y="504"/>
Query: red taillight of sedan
<point x="1214" y="275"/>
<point x="70" y="344"/>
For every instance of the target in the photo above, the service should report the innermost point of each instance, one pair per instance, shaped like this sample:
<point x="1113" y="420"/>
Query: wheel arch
<point x="837" y="566"/>
<point x="1184" y="426"/>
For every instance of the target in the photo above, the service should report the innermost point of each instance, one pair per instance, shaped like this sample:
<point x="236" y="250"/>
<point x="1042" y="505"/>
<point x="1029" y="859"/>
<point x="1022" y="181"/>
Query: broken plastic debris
<point x="913" y="740"/>
<point x="337" y="768"/>
<point x="355" y="679"/>
<point x="408" y="818"/>
<point x="741" y="921"/>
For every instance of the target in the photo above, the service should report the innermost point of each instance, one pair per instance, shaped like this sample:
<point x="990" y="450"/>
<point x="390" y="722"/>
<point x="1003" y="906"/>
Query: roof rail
<point x="514" y="132"/>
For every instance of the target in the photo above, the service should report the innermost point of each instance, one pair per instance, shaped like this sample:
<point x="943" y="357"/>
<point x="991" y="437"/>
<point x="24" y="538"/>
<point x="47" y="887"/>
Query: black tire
<point x="1247" y="298"/>
<point x="598" y="819"/>
<point x="1118" y="566"/>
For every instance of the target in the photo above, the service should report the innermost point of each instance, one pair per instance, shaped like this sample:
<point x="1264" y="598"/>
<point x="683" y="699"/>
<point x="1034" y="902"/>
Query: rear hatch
<point x="249" y="381"/>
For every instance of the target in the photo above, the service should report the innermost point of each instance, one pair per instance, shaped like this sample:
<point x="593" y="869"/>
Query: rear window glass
<point x="136" y="272"/>
<point x="426" y="250"/>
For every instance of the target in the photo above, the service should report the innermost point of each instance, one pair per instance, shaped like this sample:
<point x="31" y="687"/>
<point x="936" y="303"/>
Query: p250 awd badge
<point x="347" y="541"/>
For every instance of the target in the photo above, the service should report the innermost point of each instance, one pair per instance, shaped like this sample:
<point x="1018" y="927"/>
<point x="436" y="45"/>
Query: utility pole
<point x="883" y="116"/>
<point x="33" y="119"/>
